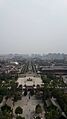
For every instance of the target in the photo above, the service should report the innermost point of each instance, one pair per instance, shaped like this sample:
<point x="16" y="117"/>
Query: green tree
<point x="19" y="110"/>
<point x="25" y="92"/>
<point x="1" y="98"/>
<point x="6" y="108"/>
<point x="38" y="109"/>
<point x="53" y="114"/>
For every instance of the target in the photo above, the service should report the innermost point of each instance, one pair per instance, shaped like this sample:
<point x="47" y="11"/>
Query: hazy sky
<point x="33" y="26"/>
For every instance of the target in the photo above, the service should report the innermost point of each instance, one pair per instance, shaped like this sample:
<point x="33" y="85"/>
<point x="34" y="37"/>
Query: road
<point x="27" y="104"/>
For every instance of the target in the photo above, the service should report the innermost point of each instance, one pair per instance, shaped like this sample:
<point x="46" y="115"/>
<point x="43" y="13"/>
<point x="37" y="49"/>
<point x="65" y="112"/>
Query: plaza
<point x="30" y="81"/>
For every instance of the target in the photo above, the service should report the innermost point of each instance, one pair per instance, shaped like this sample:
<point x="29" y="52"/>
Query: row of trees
<point x="7" y="113"/>
<point x="61" y="98"/>
<point x="51" y="83"/>
<point x="9" y="89"/>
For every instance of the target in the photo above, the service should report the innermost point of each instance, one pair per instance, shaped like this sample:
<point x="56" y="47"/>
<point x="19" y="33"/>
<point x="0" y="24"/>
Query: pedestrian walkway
<point x="28" y="106"/>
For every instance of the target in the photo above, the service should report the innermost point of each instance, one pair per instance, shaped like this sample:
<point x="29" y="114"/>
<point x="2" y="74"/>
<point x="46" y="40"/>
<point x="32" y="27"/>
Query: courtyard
<point x="28" y="106"/>
<point x="30" y="81"/>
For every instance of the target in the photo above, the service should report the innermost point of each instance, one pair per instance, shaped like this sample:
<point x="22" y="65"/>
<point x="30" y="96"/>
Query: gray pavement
<point x="28" y="106"/>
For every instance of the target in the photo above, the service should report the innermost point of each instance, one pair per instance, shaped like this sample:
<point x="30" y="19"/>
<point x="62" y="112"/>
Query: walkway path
<point x="28" y="106"/>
